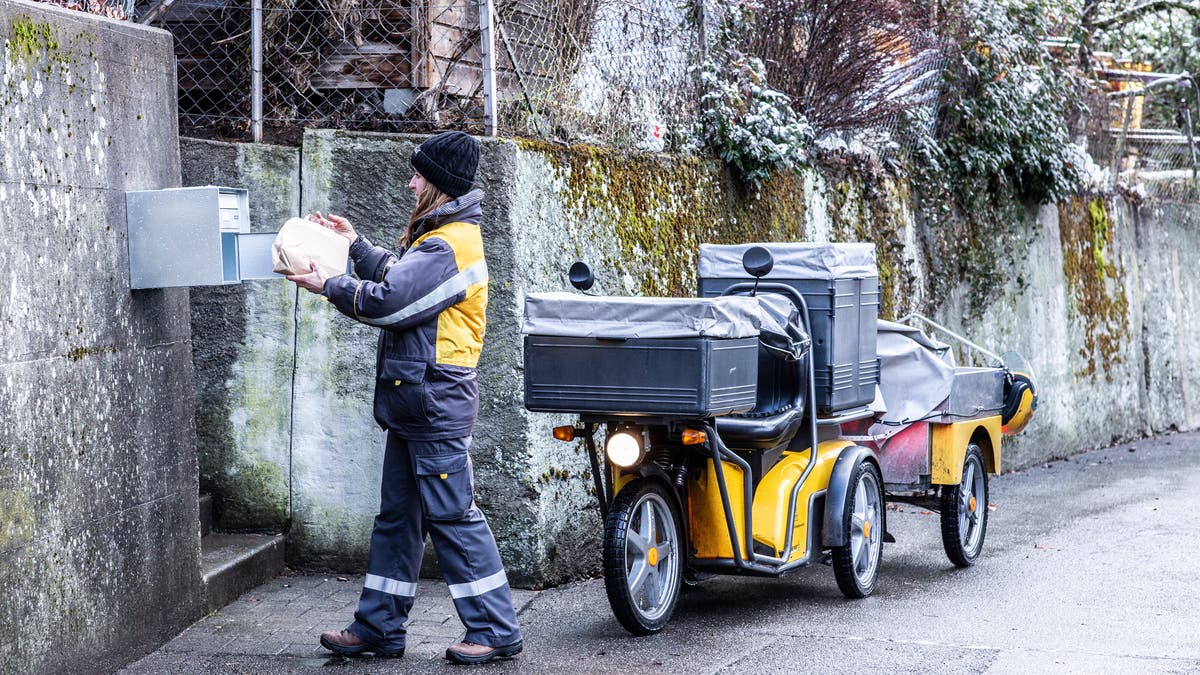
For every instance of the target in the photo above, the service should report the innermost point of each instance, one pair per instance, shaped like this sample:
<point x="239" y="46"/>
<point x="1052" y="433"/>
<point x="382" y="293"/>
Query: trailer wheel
<point x="964" y="511"/>
<point x="642" y="562"/>
<point x="856" y="565"/>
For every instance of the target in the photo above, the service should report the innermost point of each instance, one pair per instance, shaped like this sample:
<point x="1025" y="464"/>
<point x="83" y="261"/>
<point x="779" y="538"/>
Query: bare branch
<point x="846" y="64"/>
<point x="1137" y="11"/>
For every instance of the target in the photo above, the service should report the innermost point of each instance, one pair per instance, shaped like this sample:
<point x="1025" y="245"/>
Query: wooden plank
<point x="462" y="80"/>
<point x="448" y="49"/>
<point x="422" y="66"/>
<point x="389" y="70"/>
<point x="507" y="82"/>
<point x="387" y="31"/>
<point x="370" y="48"/>
<point x="203" y="80"/>
<point x="455" y="14"/>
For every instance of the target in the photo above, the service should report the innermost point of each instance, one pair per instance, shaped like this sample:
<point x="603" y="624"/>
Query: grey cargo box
<point x="840" y="284"/>
<point x="685" y="357"/>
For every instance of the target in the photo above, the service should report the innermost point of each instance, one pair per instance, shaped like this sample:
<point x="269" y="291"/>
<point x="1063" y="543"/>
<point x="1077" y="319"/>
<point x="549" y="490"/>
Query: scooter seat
<point x="760" y="432"/>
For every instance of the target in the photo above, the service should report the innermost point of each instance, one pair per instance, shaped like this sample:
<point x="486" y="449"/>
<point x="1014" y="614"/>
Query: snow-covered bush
<point x="749" y="125"/>
<point x="1002" y="125"/>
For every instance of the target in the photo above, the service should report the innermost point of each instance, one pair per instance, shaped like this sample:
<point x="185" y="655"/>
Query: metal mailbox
<point x="198" y="236"/>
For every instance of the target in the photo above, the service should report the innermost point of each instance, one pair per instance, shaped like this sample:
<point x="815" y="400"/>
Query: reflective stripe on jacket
<point x="430" y="304"/>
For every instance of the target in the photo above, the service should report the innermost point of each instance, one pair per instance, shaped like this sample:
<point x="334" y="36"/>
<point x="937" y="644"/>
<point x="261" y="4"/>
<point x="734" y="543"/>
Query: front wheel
<point x="964" y="511"/>
<point x="642" y="562"/>
<point x="856" y="564"/>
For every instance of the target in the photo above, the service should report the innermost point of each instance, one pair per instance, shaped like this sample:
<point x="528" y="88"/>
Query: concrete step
<point x="231" y="564"/>
<point x="206" y="515"/>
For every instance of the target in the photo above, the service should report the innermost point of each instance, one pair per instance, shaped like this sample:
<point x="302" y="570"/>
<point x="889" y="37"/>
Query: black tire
<point x="964" y="511"/>
<point x="643" y="587"/>
<point x="856" y="564"/>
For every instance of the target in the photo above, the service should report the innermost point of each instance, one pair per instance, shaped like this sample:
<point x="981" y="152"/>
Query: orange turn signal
<point x="564" y="433"/>
<point x="693" y="437"/>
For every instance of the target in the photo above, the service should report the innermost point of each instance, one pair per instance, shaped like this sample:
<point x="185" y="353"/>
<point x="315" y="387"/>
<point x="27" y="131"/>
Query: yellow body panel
<point x="620" y="480"/>
<point x="774" y="493"/>
<point x="706" y="512"/>
<point x="949" y="448"/>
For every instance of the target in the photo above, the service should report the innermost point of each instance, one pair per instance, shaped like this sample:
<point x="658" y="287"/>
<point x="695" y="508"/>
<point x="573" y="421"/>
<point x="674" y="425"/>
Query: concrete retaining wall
<point x="1097" y="294"/>
<point x="99" y="537"/>
<point x="242" y="344"/>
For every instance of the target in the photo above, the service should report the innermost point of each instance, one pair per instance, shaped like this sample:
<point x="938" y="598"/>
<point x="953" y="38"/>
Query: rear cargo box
<point x="684" y="357"/>
<point x="840" y="283"/>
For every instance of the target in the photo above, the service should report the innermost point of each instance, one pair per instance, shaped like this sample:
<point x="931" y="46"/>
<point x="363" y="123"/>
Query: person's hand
<point x="313" y="281"/>
<point x="336" y="223"/>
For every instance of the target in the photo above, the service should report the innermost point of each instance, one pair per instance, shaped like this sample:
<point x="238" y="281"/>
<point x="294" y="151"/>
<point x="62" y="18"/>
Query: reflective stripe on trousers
<point x="428" y="487"/>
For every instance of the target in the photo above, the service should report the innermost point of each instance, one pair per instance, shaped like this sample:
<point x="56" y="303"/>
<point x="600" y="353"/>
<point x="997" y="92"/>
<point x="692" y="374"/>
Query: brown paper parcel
<point x="301" y="240"/>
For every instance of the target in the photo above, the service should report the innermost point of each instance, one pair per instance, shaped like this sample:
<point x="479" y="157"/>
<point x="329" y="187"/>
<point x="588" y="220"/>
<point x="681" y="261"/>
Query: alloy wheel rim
<point x="651" y="576"/>
<point x="970" y="520"/>
<point x="865" y="528"/>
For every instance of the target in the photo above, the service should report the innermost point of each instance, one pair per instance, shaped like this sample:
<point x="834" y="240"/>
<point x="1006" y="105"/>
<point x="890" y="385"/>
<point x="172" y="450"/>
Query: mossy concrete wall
<point x="99" y="534"/>
<point x="243" y="345"/>
<point x="1086" y="290"/>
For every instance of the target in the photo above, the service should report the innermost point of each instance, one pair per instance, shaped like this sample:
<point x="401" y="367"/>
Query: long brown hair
<point x="428" y="200"/>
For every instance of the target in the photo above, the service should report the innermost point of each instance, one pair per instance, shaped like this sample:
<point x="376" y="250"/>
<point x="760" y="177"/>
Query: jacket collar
<point x="465" y="209"/>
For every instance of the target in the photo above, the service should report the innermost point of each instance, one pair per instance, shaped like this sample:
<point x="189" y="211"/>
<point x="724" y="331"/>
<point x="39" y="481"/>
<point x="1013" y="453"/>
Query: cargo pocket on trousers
<point x="401" y="392"/>
<point x="445" y="485"/>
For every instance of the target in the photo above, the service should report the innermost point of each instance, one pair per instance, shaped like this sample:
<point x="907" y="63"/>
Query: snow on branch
<point x="1137" y="11"/>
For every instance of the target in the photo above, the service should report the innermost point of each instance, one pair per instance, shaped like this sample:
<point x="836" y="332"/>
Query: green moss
<point x="17" y="519"/>
<point x="253" y="483"/>
<point x="30" y="41"/>
<point x="254" y="493"/>
<point x="36" y="44"/>
<point x="866" y="206"/>
<point x="1101" y="235"/>
<point x="660" y="209"/>
<point x="79" y="353"/>
<point x="1096" y="284"/>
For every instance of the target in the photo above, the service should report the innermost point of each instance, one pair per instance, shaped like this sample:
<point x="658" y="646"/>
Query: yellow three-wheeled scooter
<point x="726" y="448"/>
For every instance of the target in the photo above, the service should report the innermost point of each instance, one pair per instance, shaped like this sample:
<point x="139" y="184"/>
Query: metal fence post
<point x="256" y="88"/>
<point x="487" y="43"/>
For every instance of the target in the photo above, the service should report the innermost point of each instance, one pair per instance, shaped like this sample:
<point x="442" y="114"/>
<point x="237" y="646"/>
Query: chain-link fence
<point x="619" y="73"/>
<point x="387" y="65"/>
<point x="616" y="72"/>
<point x="1153" y="144"/>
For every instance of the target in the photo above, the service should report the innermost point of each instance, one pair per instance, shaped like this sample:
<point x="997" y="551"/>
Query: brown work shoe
<point x="467" y="653"/>
<point x="349" y="644"/>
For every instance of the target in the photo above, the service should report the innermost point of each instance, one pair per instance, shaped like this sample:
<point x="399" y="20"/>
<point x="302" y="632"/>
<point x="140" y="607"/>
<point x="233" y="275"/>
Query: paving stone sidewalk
<point x="284" y="617"/>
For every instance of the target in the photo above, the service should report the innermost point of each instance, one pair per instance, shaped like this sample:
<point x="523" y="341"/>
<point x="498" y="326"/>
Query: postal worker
<point x="428" y="300"/>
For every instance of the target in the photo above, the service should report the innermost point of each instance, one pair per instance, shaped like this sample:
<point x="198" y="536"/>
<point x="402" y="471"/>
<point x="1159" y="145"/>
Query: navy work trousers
<point x="428" y="489"/>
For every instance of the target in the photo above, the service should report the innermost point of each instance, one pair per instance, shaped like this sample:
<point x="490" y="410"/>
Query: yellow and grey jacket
<point x="430" y="303"/>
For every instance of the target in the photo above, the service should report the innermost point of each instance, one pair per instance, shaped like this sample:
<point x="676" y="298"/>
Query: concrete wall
<point x="1093" y="292"/>
<point x="243" y="345"/>
<point x="99" y="537"/>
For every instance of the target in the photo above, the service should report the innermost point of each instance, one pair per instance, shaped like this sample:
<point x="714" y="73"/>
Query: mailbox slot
<point x="186" y="236"/>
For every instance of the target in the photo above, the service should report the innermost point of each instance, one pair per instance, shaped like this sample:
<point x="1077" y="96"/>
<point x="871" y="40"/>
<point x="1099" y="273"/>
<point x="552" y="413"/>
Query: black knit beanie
<point x="448" y="160"/>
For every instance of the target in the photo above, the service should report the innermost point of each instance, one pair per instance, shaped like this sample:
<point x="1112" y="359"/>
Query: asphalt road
<point x="1089" y="566"/>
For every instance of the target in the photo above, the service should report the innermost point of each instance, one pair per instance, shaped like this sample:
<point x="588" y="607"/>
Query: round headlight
<point x="623" y="449"/>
